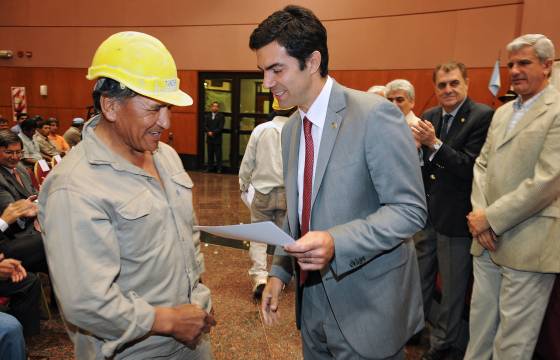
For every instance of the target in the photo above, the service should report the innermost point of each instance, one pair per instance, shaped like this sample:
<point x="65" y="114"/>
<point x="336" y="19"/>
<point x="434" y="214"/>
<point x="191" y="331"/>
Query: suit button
<point x="432" y="176"/>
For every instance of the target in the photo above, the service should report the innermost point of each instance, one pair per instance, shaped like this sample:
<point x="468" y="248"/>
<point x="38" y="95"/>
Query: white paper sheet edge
<point x="264" y="232"/>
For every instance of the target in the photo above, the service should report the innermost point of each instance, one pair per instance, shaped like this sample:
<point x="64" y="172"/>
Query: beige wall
<point x="213" y="35"/>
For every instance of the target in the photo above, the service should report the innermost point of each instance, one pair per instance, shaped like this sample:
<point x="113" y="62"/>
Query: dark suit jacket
<point x="448" y="177"/>
<point x="216" y="126"/>
<point x="11" y="190"/>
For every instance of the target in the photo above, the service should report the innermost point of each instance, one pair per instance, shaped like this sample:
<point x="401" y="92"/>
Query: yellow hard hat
<point x="141" y="63"/>
<point x="276" y="106"/>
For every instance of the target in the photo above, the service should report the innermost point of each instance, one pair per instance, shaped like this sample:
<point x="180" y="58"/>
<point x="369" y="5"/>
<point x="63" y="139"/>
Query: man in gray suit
<point x="516" y="210"/>
<point x="354" y="198"/>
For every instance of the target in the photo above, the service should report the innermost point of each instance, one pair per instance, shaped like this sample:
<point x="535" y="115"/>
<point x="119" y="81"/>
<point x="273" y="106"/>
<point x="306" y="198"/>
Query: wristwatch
<point x="437" y="145"/>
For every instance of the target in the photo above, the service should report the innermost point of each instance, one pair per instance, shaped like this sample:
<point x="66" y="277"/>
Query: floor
<point x="240" y="333"/>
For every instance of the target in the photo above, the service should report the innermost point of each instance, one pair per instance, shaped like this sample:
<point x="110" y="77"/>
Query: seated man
<point x="41" y="138"/>
<point x="31" y="152"/>
<point x="20" y="238"/>
<point x="57" y="140"/>
<point x="24" y="290"/>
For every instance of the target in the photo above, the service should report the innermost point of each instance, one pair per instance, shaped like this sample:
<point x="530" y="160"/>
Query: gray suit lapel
<point x="292" y="176"/>
<point x="333" y="120"/>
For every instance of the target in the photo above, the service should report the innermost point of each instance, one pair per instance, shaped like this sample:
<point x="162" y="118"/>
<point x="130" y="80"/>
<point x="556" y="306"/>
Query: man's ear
<point x="109" y="108"/>
<point x="313" y="62"/>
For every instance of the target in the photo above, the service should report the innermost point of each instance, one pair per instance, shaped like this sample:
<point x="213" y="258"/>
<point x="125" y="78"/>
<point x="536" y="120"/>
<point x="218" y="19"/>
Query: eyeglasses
<point x="13" y="152"/>
<point x="398" y="99"/>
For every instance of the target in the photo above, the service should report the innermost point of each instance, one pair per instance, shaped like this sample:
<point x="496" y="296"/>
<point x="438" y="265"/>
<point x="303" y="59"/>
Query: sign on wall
<point x="19" y="101"/>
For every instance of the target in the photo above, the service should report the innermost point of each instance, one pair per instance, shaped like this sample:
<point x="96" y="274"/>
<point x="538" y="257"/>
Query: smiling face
<point x="450" y="88"/>
<point x="527" y="73"/>
<point x="140" y="122"/>
<point x="283" y="76"/>
<point x="11" y="155"/>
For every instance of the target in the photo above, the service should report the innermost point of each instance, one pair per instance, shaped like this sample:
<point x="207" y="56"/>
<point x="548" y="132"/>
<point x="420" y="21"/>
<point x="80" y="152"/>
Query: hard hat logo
<point x="142" y="63"/>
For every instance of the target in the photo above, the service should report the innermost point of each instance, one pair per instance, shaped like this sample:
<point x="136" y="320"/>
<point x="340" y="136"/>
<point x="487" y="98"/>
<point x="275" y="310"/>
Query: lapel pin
<point x="462" y="120"/>
<point x="333" y="125"/>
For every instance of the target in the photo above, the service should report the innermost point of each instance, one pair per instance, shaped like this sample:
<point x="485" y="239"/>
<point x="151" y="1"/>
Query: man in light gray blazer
<point x="516" y="210"/>
<point x="354" y="198"/>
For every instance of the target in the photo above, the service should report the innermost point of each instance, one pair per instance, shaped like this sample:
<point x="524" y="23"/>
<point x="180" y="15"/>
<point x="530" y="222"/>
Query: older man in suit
<point x="451" y="135"/>
<point x="354" y="198"/>
<point x="516" y="210"/>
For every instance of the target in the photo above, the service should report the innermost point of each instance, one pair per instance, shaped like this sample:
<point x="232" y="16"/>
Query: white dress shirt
<point x="316" y="114"/>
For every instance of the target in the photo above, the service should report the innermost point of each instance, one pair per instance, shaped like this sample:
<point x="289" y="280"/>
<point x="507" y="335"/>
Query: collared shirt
<point x="72" y="136"/>
<point x="125" y="246"/>
<point x="47" y="148"/>
<point x="316" y="113"/>
<point x="520" y="108"/>
<point x="453" y="114"/>
<point x="59" y="142"/>
<point x="30" y="148"/>
<point x="262" y="161"/>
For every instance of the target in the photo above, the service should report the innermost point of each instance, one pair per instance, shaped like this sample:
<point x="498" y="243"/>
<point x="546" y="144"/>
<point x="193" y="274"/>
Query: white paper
<point x="264" y="232"/>
<point x="247" y="196"/>
<point x="57" y="159"/>
<point x="44" y="166"/>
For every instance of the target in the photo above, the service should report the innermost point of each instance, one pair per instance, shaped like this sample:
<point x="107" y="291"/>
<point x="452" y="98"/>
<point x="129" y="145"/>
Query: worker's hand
<point x="313" y="251"/>
<point x="187" y="323"/>
<point x="270" y="296"/>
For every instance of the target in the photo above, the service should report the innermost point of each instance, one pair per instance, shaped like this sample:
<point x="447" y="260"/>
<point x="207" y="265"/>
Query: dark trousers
<point x="25" y="299"/>
<point x="27" y="246"/>
<point x="548" y="347"/>
<point x="214" y="155"/>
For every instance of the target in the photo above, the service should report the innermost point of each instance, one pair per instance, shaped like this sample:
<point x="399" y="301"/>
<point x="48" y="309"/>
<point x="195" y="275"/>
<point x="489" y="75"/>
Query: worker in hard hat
<point x="261" y="168"/>
<point x="118" y="218"/>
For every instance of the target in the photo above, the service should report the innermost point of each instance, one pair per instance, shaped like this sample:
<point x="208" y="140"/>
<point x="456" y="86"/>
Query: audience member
<point x="401" y="93"/>
<point x="31" y="152"/>
<point x="377" y="89"/>
<point x="262" y="167"/>
<point x="24" y="291"/>
<point x="20" y="117"/>
<point x="3" y="123"/>
<point x="359" y="195"/>
<point x="57" y="140"/>
<point x="515" y="218"/>
<point x="451" y="138"/>
<point x="131" y="288"/>
<point x="12" y="343"/>
<point x="41" y="139"/>
<point x="213" y="127"/>
<point x="73" y="134"/>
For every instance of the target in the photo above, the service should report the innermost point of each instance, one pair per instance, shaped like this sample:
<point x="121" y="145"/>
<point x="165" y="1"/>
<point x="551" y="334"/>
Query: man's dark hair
<point x="51" y="121"/>
<point x="28" y="124"/>
<point x="298" y="30"/>
<point x="19" y="115"/>
<point x="41" y="122"/>
<point x="8" y="138"/>
<point x="3" y="120"/>
<point x="450" y="66"/>
<point x="112" y="89"/>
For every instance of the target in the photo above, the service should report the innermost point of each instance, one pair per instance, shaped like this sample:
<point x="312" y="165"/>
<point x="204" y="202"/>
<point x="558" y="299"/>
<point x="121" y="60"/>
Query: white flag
<point x="494" y="83"/>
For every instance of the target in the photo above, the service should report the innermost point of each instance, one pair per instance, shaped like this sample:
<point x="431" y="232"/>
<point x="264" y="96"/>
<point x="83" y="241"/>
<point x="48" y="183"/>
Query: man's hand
<point x="12" y="269"/>
<point x="487" y="239"/>
<point x="477" y="222"/>
<point x="210" y="133"/>
<point x="20" y="208"/>
<point x="425" y="133"/>
<point x="270" y="296"/>
<point x="186" y="323"/>
<point x="416" y="137"/>
<point x="313" y="251"/>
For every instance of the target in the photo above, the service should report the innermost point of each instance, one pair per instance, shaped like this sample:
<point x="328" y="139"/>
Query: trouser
<point x="321" y="336"/>
<point x="25" y="299"/>
<point x="507" y="309"/>
<point x="548" y="346"/>
<point x="214" y="155"/>
<point x="27" y="246"/>
<point x="12" y="343"/>
<point x="450" y="256"/>
<point x="265" y="207"/>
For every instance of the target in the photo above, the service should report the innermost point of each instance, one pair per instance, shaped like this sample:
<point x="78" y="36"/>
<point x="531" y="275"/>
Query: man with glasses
<point x="451" y="137"/>
<point x="20" y="239"/>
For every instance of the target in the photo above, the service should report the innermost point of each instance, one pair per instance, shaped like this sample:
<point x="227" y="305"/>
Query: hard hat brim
<point x="177" y="98"/>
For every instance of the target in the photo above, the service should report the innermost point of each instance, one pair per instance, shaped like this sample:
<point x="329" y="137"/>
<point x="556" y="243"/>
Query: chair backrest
<point x="41" y="169"/>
